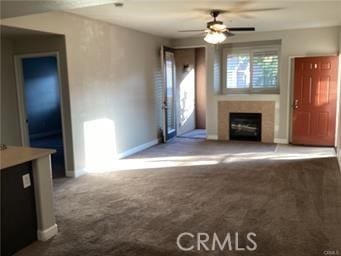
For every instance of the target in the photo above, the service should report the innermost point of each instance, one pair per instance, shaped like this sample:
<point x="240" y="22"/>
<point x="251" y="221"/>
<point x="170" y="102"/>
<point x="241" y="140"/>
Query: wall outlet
<point x="26" y="180"/>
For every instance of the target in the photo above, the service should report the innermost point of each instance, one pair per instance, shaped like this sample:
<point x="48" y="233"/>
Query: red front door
<point x="315" y="89"/>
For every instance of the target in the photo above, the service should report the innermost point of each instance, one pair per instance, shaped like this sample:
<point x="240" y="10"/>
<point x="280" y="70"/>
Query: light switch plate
<point x="26" y="180"/>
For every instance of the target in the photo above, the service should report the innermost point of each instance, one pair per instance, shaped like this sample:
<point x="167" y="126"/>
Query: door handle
<point x="296" y="104"/>
<point x="164" y="106"/>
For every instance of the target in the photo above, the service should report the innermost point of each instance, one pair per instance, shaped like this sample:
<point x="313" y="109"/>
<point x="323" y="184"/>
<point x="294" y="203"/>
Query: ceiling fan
<point x="216" y="31"/>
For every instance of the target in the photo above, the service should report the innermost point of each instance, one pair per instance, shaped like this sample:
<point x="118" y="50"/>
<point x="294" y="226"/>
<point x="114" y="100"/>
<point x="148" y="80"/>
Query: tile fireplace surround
<point x="266" y="108"/>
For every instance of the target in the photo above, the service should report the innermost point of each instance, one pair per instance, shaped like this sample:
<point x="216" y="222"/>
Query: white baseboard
<point x="46" y="234"/>
<point x="136" y="149"/>
<point x="281" y="141"/>
<point x="212" y="137"/>
<point x="70" y="174"/>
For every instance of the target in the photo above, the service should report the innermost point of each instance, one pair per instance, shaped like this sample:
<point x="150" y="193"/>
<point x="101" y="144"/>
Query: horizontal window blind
<point x="265" y="69"/>
<point x="238" y="70"/>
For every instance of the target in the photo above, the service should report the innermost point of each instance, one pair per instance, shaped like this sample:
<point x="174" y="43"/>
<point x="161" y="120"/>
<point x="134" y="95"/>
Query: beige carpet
<point x="289" y="196"/>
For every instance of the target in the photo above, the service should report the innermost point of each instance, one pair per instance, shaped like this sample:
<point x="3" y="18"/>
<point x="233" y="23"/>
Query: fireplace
<point x="246" y="126"/>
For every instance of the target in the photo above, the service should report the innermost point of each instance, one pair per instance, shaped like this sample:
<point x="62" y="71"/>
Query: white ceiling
<point x="14" y="8"/>
<point x="166" y="17"/>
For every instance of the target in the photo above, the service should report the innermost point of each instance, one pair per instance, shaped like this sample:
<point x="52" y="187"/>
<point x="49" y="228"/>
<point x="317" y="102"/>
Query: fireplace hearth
<point x="246" y="126"/>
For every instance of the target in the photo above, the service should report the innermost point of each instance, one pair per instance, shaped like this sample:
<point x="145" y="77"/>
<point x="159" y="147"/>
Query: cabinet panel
<point x="18" y="212"/>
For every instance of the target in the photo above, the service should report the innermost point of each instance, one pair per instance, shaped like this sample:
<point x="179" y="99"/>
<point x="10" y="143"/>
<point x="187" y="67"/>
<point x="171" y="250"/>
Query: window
<point x="238" y="70"/>
<point x="251" y="70"/>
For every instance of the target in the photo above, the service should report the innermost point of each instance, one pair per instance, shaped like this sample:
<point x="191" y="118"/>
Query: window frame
<point x="250" y="50"/>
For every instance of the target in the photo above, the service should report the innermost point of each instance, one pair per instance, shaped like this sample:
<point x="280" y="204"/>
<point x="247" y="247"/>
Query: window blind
<point x="238" y="70"/>
<point x="265" y="69"/>
<point x="252" y="69"/>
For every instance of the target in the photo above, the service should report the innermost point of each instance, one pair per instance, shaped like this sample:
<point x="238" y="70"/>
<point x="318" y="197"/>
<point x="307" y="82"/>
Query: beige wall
<point x="304" y="42"/>
<point x="32" y="45"/>
<point x="200" y="88"/>
<point x="10" y="130"/>
<point x="114" y="83"/>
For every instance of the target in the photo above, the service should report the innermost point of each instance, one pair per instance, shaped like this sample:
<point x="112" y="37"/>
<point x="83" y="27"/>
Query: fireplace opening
<point x="246" y="126"/>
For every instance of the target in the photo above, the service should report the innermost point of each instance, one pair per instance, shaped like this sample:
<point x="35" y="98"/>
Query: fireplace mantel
<point x="266" y="108"/>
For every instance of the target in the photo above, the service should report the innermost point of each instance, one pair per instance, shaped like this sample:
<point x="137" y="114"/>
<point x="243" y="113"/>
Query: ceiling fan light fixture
<point x="215" y="37"/>
<point x="118" y="4"/>
<point x="218" y="27"/>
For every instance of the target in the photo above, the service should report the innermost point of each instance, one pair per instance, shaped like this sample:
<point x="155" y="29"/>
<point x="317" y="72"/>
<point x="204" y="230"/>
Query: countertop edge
<point x="13" y="156"/>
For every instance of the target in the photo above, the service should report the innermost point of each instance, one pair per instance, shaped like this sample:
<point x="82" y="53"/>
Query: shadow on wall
<point x="99" y="145"/>
<point x="187" y="97"/>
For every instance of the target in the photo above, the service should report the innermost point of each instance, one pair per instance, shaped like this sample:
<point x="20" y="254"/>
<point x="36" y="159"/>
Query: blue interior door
<point x="42" y="105"/>
<point x="169" y="110"/>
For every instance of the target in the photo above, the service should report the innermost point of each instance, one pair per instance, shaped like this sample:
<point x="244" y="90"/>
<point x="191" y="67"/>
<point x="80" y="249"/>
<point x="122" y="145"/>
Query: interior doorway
<point x="40" y="106"/>
<point x="184" y="92"/>
<point x="191" y="92"/>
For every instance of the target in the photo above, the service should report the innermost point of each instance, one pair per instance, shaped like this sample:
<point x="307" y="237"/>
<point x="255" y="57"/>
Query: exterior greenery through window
<point x="251" y="70"/>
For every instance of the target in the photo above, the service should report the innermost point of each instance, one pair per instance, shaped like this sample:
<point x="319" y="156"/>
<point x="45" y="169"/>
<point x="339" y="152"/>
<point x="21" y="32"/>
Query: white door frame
<point x="21" y="100"/>
<point x="164" y="93"/>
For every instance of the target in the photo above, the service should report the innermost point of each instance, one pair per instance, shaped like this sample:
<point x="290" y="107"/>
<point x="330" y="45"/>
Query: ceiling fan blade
<point x="246" y="16"/>
<point x="227" y="33"/>
<point x="240" y="5"/>
<point x="260" y="10"/>
<point x="242" y="29"/>
<point x="192" y="30"/>
<point x="195" y="35"/>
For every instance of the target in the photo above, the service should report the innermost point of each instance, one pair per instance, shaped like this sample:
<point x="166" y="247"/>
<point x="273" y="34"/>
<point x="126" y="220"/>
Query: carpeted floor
<point x="289" y="196"/>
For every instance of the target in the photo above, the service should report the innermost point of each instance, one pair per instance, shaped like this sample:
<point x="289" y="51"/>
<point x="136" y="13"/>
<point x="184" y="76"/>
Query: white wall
<point x="305" y="42"/>
<point x="114" y="84"/>
<point x="339" y="123"/>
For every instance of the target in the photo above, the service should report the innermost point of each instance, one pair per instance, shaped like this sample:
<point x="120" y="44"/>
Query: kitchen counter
<point x="12" y="156"/>
<point x="26" y="173"/>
